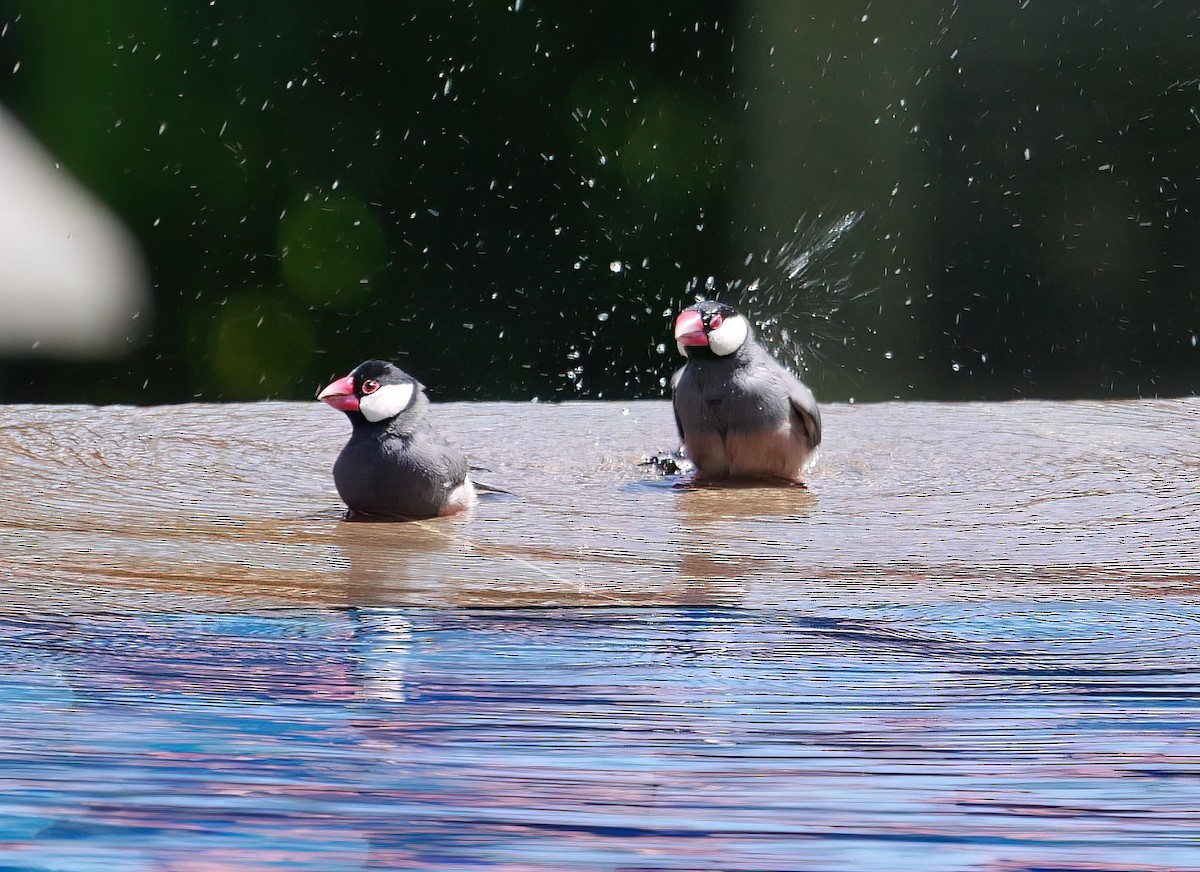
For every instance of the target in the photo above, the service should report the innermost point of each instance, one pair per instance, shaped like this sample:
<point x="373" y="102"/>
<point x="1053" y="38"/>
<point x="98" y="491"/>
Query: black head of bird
<point x="375" y="392"/>
<point x="710" y="329"/>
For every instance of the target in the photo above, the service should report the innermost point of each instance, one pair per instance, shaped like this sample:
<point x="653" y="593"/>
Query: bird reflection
<point x="744" y="500"/>
<point x="734" y="531"/>
<point x="384" y="640"/>
<point x="394" y="563"/>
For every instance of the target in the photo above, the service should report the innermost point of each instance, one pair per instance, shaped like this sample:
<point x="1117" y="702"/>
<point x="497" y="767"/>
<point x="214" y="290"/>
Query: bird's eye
<point x="370" y="386"/>
<point x="714" y="322"/>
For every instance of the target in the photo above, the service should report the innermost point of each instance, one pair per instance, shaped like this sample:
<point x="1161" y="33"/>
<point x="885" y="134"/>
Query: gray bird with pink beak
<point x="395" y="464"/>
<point x="740" y="413"/>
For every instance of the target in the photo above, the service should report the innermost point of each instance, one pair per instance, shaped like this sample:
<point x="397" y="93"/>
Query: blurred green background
<point x="511" y="197"/>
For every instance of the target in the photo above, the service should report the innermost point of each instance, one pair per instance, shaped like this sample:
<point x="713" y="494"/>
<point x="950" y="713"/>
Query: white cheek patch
<point x="387" y="402"/>
<point x="730" y="336"/>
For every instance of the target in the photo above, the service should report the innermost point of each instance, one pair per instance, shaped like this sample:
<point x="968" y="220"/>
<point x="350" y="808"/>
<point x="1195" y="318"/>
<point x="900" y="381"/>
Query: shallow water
<point x="970" y="644"/>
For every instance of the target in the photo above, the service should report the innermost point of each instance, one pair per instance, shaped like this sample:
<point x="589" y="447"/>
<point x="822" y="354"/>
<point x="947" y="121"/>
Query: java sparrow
<point x="739" y="412"/>
<point x="395" y="463"/>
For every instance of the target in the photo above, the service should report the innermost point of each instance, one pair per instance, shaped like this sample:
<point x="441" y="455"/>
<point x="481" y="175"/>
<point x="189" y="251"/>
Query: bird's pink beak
<point x="340" y="395"/>
<point x="689" y="328"/>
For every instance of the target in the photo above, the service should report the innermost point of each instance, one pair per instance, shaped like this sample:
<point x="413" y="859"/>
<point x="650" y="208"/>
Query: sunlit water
<point x="971" y="644"/>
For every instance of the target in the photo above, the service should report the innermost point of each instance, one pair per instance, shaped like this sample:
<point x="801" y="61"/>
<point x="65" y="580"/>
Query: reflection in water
<point x="730" y="533"/>
<point x="745" y="501"/>
<point x="970" y="645"/>
<point x="422" y="739"/>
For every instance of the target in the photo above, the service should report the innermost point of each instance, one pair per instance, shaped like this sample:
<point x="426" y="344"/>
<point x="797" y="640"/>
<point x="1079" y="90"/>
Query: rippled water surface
<point x="970" y="644"/>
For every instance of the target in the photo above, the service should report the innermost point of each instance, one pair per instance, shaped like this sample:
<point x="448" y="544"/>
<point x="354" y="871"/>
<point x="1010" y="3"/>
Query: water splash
<point x="800" y="291"/>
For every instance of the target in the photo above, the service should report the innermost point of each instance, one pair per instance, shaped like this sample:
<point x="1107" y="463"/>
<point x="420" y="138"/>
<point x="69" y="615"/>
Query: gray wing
<point x="423" y="472"/>
<point x="437" y="458"/>
<point x="783" y="382"/>
<point x="804" y="404"/>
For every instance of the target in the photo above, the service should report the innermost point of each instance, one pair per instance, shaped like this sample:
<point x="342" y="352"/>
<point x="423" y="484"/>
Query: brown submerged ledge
<point x="203" y="507"/>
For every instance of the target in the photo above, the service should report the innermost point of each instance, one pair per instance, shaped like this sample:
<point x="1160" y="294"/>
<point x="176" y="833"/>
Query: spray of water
<point x="798" y="294"/>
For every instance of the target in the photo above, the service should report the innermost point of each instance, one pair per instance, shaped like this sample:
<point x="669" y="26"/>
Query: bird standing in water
<point x="395" y="464"/>
<point x="739" y="412"/>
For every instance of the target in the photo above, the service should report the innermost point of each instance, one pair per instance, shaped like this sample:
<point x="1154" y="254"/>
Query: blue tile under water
<point x="950" y="736"/>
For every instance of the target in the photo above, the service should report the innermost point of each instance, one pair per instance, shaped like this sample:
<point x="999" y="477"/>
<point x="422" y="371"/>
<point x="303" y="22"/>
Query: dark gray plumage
<point x="739" y="412"/>
<point x="395" y="463"/>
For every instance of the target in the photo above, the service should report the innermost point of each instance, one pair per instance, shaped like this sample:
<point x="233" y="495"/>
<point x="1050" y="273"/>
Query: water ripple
<point x="969" y="644"/>
<point x="583" y="738"/>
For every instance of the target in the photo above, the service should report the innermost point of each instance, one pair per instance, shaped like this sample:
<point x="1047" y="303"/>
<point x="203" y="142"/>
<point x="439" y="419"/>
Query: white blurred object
<point x="72" y="281"/>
